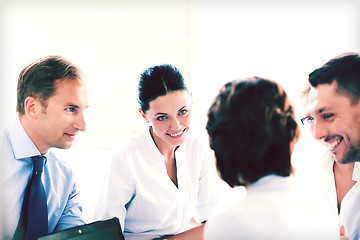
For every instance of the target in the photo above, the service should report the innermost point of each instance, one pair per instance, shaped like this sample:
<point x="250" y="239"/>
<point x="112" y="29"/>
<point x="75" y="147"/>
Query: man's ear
<point x="32" y="107"/>
<point x="143" y="115"/>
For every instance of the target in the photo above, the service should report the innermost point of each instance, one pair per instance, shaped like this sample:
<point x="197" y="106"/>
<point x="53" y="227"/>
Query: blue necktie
<point x="34" y="217"/>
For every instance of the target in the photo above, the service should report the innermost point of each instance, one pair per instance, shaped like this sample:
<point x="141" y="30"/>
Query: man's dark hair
<point x="39" y="79"/>
<point x="345" y="70"/>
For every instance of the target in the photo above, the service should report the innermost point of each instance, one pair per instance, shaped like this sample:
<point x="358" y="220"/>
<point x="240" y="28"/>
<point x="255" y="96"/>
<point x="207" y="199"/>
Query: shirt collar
<point x="356" y="172"/>
<point x="22" y="145"/>
<point x="269" y="182"/>
<point x="329" y="163"/>
<point x="155" y="149"/>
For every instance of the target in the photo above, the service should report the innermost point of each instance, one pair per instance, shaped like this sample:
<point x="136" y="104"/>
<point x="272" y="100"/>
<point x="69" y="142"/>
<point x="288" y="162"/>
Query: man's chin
<point x="353" y="155"/>
<point x="64" y="146"/>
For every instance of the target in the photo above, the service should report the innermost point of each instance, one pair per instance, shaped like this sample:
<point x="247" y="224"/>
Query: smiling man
<point x="333" y="116"/>
<point x="51" y="99"/>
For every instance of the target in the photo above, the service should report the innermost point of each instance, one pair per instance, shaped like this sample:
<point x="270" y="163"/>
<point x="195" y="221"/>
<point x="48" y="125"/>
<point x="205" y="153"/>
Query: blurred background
<point x="211" y="42"/>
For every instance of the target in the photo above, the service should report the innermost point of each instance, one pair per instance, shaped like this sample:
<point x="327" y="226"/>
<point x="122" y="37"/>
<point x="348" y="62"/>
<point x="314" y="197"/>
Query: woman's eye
<point x="182" y="112"/>
<point x="161" y="118"/>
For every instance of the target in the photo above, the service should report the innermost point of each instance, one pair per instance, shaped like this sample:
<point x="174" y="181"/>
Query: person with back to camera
<point x="161" y="177"/>
<point x="333" y="116"/>
<point x="39" y="195"/>
<point x="253" y="131"/>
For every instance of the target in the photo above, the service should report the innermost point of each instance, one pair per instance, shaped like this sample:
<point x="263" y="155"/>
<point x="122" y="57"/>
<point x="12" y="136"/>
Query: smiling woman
<point x="170" y="117"/>
<point x="162" y="176"/>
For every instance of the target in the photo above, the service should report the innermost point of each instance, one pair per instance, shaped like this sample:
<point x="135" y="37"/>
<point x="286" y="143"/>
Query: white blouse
<point x="140" y="193"/>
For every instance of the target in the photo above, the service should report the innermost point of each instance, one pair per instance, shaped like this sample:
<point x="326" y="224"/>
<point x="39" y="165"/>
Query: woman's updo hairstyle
<point x="251" y="126"/>
<point x="158" y="81"/>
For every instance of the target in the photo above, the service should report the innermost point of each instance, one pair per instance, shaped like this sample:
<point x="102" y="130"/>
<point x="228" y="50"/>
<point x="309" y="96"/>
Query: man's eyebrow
<point x="317" y="112"/>
<point x="77" y="106"/>
<point x="73" y="105"/>
<point x="320" y="111"/>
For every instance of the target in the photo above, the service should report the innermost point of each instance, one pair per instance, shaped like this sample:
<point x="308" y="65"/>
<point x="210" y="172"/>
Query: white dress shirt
<point x="140" y="193"/>
<point x="349" y="215"/>
<point x="274" y="208"/>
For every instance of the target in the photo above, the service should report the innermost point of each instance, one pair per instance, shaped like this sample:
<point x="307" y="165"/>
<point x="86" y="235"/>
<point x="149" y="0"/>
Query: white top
<point x="141" y="194"/>
<point x="274" y="208"/>
<point x="349" y="215"/>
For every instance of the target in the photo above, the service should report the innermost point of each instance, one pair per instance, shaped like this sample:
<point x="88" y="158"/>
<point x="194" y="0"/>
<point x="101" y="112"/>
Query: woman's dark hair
<point x="251" y="126"/>
<point x="158" y="81"/>
<point x="344" y="69"/>
<point x="39" y="79"/>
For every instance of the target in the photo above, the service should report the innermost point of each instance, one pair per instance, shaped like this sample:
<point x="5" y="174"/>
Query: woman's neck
<point x="165" y="149"/>
<point x="169" y="155"/>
